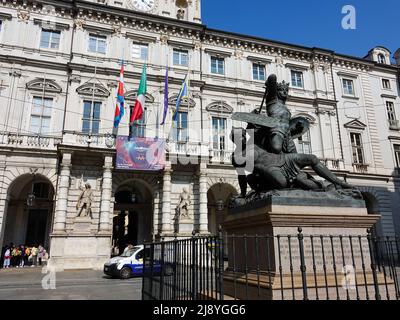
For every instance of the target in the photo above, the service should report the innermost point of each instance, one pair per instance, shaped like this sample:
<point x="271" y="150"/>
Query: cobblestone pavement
<point x="27" y="284"/>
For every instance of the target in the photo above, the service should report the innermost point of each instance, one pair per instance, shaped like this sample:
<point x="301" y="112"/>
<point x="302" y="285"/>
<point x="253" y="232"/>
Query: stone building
<point x="60" y="63"/>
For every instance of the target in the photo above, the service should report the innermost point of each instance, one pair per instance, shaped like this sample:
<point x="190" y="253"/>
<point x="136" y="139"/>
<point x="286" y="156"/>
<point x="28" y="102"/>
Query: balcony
<point x="79" y="139"/>
<point x="332" y="164"/>
<point x="221" y="156"/>
<point x="360" y="167"/>
<point x="394" y="125"/>
<point x="187" y="149"/>
<point x="29" y="141"/>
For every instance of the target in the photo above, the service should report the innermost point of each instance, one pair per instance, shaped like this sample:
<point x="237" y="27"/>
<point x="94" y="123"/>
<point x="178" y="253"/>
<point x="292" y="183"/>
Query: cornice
<point x="124" y="18"/>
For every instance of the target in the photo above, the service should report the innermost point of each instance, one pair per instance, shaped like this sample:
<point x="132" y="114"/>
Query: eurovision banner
<point x="145" y="154"/>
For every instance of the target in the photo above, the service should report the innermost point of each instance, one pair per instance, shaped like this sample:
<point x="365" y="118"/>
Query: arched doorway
<point x="218" y="199"/>
<point x="372" y="205"/>
<point x="29" y="218"/>
<point x="133" y="215"/>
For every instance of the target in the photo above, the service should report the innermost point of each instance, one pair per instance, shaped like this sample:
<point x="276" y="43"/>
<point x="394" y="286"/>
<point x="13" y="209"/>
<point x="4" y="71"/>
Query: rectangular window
<point x="357" y="148"/>
<point x="50" y="39"/>
<point x="304" y="143"/>
<point x="219" y="133"/>
<point x="91" y="117"/>
<point x="258" y="72"/>
<point x="390" y="111"/>
<point x="297" y="79"/>
<point x="181" y="58"/>
<point x="217" y="65"/>
<point x="97" y="44"/>
<point x="348" y="87"/>
<point x="386" y="83"/>
<point x="181" y="127"/>
<point x="139" y="127"/>
<point x="41" y="115"/>
<point x="397" y="154"/>
<point x="140" y="51"/>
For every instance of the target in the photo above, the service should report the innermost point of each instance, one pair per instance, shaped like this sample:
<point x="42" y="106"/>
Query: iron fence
<point x="273" y="267"/>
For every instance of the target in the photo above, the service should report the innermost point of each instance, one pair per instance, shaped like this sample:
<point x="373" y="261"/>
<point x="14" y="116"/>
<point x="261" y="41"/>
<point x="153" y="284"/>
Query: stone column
<point x="106" y="191"/>
<point x="203" y="208"/>
<point x="62" y="194"/>
<point x="166" y="201"/>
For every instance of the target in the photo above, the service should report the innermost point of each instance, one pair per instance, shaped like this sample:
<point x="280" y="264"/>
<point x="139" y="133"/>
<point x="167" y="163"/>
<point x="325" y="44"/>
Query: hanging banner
<point x="145" y="154"/>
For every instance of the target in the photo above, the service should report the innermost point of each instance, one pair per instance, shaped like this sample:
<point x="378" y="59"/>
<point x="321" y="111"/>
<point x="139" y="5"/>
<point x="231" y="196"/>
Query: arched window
<point x="381" y="58"/>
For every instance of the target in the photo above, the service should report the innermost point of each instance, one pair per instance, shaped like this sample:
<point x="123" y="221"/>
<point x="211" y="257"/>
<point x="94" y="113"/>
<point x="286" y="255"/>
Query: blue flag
<point x="183" y="93"/>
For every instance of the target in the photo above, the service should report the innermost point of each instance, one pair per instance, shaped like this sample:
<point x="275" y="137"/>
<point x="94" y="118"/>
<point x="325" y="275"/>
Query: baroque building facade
<point x="60" y="63"/>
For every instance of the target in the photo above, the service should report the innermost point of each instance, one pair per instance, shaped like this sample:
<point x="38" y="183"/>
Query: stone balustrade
<point x="79" y="139"/>
<point x="29" y="141"/>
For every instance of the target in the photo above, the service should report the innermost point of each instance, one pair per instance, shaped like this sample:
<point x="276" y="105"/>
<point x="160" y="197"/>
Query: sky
<point x="310" y="23"/>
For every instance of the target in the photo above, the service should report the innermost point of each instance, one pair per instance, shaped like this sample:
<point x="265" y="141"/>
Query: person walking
<point x="7" y="258"/>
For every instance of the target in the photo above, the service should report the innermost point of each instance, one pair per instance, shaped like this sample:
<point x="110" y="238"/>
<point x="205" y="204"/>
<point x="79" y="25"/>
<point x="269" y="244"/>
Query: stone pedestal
<point x="184" y="227"/>
<point x="82" y="248"/>
<point x="82" y="225"/>
<point x="79" y="251"/>
<point x="269" y="267"/>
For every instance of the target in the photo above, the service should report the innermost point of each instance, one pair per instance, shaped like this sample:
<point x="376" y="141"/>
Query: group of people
<point x="23" y="256"/>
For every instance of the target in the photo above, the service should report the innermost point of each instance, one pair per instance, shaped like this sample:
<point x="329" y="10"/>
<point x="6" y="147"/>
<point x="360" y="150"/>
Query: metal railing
<point x="281" y="267"/>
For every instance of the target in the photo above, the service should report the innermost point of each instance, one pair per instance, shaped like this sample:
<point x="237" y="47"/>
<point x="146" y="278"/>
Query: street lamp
<point x="133" y="197"/>
<point x="220" y="205"/>
<point x="30" y="198"/>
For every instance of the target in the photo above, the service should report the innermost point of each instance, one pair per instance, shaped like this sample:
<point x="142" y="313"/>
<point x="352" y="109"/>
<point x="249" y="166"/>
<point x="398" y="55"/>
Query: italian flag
<point x="137" y="112"/>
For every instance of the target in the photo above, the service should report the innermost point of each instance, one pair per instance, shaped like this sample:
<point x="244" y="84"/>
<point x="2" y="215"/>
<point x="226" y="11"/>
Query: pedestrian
<point x="14" y="257"/>
<point x="22" y="256"/>
<point x="34" y="253"/>
<point x="7" y="258"/>
<point x="27" y="255"/>
<point x="41" y="252"/>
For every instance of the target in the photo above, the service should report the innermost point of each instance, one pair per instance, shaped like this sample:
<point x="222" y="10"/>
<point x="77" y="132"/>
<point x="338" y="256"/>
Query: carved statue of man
<point x="182" y="209"/>
<point x="84" y="205"/>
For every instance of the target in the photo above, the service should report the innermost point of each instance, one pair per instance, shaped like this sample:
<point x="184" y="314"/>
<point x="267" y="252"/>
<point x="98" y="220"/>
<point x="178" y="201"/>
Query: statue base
<point x="82" y="225"/>
<point x="277" y="275"/>
<point x="184" y="227"/>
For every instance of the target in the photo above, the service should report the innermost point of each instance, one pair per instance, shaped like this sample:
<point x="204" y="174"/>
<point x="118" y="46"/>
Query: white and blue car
<point x="129" y="264"/>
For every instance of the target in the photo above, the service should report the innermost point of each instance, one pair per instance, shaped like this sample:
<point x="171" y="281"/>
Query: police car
<point x="129" y="264"/>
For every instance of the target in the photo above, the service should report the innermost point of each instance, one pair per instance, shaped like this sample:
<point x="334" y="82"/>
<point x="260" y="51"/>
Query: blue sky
<point x="312" y="23"/>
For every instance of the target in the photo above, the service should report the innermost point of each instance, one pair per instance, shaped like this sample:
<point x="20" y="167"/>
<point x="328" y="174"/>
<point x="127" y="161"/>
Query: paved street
<point x="26" y="284"/>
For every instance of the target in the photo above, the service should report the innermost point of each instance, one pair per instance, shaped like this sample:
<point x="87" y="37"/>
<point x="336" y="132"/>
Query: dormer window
<point x="381" y="58"/>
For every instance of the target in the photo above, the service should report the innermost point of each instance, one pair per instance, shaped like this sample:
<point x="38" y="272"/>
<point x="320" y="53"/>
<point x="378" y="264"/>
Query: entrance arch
<point x="372" y="204"/>
<point x="29" y="222"/>
<point x="133" y="214"/>
<point x="218" y="197"/>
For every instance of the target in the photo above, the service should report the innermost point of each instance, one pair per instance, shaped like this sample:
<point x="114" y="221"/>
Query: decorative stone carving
<point x="46" y="85"/>
<point x="164" y="39"/>
<point x="84" y="204"/>
<point x="219" y="107"/>
<point x="182" y="210"/>
<point x="116" y="30"/>
<point x="238" y="54"/>
<point x="79" y="23"/>
<point x="93" y="89"/>
<point x="23" y="16"/>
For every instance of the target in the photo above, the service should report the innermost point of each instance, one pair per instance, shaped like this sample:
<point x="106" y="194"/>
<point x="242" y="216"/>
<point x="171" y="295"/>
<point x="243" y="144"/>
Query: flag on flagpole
<point x="137" y="111"/>
<point x="183" y="93"/>
<point x="165" y="98"/>
<point x="119" y="108"/>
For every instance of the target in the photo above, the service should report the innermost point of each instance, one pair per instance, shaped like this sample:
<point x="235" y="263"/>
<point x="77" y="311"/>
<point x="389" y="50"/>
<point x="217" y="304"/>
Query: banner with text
<point x="140" y="154"/>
